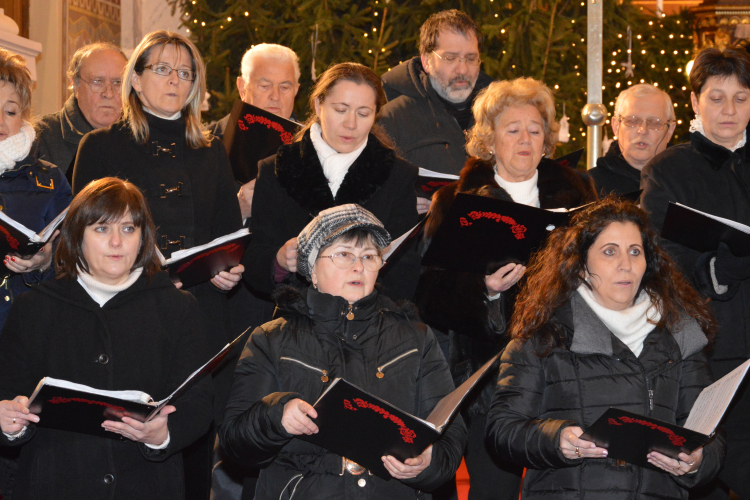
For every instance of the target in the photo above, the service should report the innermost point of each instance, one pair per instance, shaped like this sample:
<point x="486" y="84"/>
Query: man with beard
<point x="643" y="123"/>
<point x="430" y="96"/>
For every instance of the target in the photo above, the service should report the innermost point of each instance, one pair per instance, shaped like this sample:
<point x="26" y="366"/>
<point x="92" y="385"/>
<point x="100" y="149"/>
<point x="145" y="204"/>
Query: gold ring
<point x="14" y="420"/>
<point x="691" y="464"/>
<point x="578" y="452"/>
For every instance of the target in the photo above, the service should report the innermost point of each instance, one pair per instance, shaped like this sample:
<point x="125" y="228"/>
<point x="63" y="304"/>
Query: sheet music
<point x="714" y="400"/>
<point x="736" y="225"/>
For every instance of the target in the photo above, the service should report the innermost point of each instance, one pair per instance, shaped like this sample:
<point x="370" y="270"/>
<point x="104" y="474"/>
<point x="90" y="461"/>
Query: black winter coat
<point x="33" y="193"/>
<point x="710" y="178"/>
<point x="191" y="193"/>
<point x="146" y="338"/>
<point x="291" y="190"/>
<point x="613" y="173"/>
<point x="537" y="397"/>
<point x="59" y="134"/>
<point x="423" y="130"/>
<point x="284" y="359"/>
<point x="456" y="302"/>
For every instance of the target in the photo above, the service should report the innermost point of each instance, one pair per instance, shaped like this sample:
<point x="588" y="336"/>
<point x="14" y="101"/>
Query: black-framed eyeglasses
<point x="162" y="69"/>
<point x="651" y="123"/>
<point x="99" y="85"/>
<point x="453" y="59"/>
<point x="345" y="260"/>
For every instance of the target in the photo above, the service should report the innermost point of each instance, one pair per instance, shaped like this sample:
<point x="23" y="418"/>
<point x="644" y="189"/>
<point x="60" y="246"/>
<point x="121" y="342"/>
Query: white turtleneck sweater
<point x="524" y="192"/>
<point x="101" y="292"/>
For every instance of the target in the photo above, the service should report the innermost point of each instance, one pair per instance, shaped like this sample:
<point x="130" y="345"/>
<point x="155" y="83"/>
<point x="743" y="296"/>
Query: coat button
<point x="361" y="483"/>
<point x="447" y="146"/>
<point x="103" y="359"/>
<point x="109" y="479"/>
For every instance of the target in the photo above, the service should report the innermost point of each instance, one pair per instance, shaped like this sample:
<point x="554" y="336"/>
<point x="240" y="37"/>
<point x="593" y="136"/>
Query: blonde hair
<point x="13" y="70"/>
<point x="499" y="96"/>
<point x="132" y="106"/>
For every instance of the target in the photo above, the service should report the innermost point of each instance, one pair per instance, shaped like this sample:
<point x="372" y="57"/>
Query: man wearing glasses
<point x="430" y="96"/>
<point x="643" y="123"/>
<point x="95" y="74"/>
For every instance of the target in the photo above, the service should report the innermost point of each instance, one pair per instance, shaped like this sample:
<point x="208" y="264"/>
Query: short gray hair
<point x="642" y="90"/>
<point x="76" y="62"/>
<point x="273" y="51"/>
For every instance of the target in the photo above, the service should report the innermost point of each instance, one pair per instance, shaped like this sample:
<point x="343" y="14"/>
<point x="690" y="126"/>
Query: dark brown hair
<point x="447" y="20"/>
<point x="721" y="64"/>
<point x="556" y="271"/>
<point x="105" y="200"/>
<point x="351" y="72"/>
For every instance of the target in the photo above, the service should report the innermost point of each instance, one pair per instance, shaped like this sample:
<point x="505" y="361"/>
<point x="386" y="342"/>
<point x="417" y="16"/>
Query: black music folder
<point x="20" y="240"/>
<point x="430" y="181"/>
<point x="571" y="159"/>
<point x="481" y="234"/>
<point x="68" y="406"/>
<point x="703" y="232"/>
<point x="201" y="263"/>
<point x="630" y="437"/>
<point x="252" y="135"/>
<point x="361" y="427"/>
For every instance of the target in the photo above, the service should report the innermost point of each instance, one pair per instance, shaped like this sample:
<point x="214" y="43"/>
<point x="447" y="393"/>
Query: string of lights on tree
<point x="544" y="39"/>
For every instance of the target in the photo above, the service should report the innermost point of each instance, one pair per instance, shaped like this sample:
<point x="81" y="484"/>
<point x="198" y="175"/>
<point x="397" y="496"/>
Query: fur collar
<point x="559" y="187"/>
<point x="300" y="174"/>
<point x="716" y="156"/>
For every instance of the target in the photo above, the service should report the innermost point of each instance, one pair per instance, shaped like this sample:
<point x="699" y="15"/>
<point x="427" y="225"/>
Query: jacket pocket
<point x="381" y="369"/>
<point x="323" y="373"/>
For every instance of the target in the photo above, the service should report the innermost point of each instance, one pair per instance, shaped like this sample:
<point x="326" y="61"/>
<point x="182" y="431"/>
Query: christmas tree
<point x="543" y="39"/>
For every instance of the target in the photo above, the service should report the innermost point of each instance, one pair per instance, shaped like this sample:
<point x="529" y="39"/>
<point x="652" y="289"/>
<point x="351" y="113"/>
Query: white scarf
<point x="173" y="117"/>
<point x="16" y="147"/>
<point x="524" y="192"/>
<point x="632" y="325"/>
<point x="696" y="125"/>
<point x="335" y="164"/>
<point x="101" y="292"/>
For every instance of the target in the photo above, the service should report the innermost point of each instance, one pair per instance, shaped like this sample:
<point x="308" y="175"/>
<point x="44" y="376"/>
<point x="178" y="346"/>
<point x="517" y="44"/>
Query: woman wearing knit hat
<point x="341" y="326"/>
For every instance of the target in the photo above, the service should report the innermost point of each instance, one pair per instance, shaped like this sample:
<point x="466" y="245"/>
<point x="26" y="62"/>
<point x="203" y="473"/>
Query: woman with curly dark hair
<point x="605" y="319"/>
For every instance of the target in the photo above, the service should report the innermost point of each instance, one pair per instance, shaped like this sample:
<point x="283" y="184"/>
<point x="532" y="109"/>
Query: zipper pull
<point x="650" y="399"/>
<point x="380" y="373"/>
<point x="350" y="314"/>
<point x="324" y="378"/>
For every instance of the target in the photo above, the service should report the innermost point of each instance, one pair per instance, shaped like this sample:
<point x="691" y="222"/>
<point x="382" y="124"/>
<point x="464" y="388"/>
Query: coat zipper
<point x="380" y="373"/>
<point x="650" y="395"/>
<point x="324" y="373"/>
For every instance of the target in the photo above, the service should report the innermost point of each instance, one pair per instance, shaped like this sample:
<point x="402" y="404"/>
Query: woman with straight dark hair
<point x="113" y="321"/>
<point x="604" y="319"/>
<point x="341" y="156"/>
<point x="711" y="173"/>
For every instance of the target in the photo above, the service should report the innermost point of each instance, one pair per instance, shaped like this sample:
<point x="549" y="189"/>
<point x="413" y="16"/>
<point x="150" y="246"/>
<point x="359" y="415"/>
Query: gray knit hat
<point x="329" y="225"/>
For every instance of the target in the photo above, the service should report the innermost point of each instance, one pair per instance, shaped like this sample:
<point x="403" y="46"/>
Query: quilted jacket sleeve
<point x="514" y="430"/>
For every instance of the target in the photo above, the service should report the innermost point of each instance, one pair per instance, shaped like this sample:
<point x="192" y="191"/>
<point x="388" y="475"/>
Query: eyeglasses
<point x="651" y="123"/>
<point x="453" y="59"/>
<point x="345" y="260"/>
<point x="98" y="85"/>
<point x="162" y="69"/>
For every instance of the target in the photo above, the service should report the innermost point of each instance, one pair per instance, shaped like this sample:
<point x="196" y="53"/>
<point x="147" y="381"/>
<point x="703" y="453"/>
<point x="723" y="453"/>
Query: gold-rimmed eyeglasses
<point x="651" y="123"/>
<point x="453" y="59"/>
<point x="99" y="85"/>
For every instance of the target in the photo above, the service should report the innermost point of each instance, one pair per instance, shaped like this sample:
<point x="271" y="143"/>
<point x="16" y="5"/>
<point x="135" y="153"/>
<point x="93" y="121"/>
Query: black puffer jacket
<point x="423" y="130"/>
<point x="537" y="397"/>
<point x="456" y="302"/>
<point x="283" y="360"/>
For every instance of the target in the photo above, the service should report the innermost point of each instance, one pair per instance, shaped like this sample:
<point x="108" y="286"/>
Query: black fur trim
<point x="299" y="172"/>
